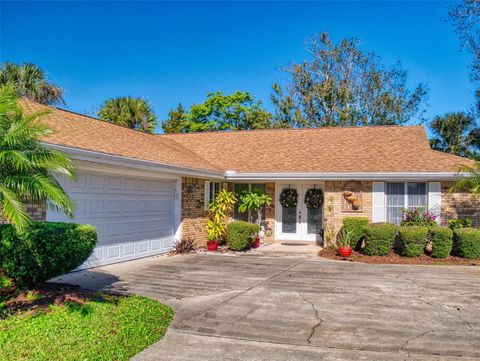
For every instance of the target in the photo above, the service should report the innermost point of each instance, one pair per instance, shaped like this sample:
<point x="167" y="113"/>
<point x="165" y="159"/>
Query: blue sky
<point x="177" y="52"/>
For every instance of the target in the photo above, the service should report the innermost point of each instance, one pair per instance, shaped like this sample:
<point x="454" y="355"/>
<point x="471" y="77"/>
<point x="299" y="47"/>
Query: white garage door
<point x="134" y="216"/>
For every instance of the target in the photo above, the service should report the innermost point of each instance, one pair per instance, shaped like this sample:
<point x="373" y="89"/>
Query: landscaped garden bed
<point x="394" y="258"/>
<point x="63" y="322"/>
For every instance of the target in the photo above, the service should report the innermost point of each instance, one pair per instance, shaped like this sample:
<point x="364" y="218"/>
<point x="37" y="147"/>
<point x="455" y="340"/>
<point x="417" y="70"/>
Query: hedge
<point x="356" y="225"/>
<point x="460" y="223"/>
<point x="379" y="238"/>
<point x="442" y="241"/>
<point x="466" y="242"/>
<point x="44" y="250"/>
<point x="413" y="240"/>
<point x="240" y="234"/>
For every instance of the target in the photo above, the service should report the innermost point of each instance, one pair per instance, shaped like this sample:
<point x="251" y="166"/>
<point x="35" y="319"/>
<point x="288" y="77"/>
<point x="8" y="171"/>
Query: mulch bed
<point x="394" y="258"/>
<point x="40" y="298"/>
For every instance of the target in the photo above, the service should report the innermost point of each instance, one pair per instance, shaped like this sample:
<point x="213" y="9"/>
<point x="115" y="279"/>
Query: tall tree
<point x="176" y="121"/>
<point x="456" y="133"/>
<point x="130" y="112"/>
<point x="341" y="85"/>
<point x="31" y="82"/>
<point x="236" y="111"/>
<point x="27" y="169"/>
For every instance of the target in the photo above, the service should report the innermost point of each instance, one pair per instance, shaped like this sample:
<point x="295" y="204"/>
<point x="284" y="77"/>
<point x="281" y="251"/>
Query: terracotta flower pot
<point x="345" y="251"/>
<point x="212" y="245"/>
<point x="256" y="243"/>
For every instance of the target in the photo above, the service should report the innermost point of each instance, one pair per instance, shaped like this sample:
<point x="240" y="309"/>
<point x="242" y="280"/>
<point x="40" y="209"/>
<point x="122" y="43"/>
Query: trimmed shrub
<point x="356" y="225"/>
<point x="442" y="241"/>
<point x="240" y="235"/>
<point x="459" y="223"/>
<point x="467" y="242"/>
<point x="413" y="240"/>
<point x="379" y="238"/>
<point x="44" y="250"/>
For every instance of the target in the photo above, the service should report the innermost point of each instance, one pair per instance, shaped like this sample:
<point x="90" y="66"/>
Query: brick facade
<point x="459" y="205"/>
<point x="194" y="215"/>
<point x="37" y="212"/>
<point x="333" y="194"/>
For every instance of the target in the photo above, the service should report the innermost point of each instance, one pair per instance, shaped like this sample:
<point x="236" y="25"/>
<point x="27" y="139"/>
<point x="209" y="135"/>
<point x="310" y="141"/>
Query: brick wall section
<point x="37" y="212"/>
<point x="459" y="205"/>
<point x="194" y="216"/>
<point x="334" y="190"/>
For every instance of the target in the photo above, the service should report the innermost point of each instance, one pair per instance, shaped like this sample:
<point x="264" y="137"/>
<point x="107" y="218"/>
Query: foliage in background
<point x="418" y="217"/>
<point x="129" y="112"/>
<point x="103" y="329"/>
<point x="236" y="111"/>
<point x="220" y="210"/>
<point x="253" y="201"/>
<point x="240" y="235"/>
<point x="466" y="242"/>
<point x="456" y="133"/>
<point x="459" y="223"/>
<point x="356" y="225"/>
<point x="27" y="168"/>
<point x="44" y="250"/>
<point x="30" y="81"/>
<point x="379" y="238"/>
<point x="442" y="241"/>
<point x="471" y="183"/>
<point x="341" y="86"/>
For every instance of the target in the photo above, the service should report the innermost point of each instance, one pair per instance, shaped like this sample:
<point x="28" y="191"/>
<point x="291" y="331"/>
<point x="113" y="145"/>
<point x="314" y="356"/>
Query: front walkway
<point x="256" y="307"/>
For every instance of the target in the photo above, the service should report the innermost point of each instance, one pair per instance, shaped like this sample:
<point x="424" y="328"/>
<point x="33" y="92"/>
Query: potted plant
<point x="344" y="243"/>
<point x="219" y="212"/>
<point x="254" y="201"/>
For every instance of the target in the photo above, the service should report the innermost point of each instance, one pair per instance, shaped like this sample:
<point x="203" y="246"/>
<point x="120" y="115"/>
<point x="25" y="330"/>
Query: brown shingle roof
<point x="348" y="149"/>
<point x="338" y="150"/>
<point x="80" y="131"/>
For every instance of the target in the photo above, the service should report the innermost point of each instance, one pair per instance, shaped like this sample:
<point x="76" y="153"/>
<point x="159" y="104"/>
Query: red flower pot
<point x="256" y="243"/>
<point x="345" y="251"/>
<point x="212" y="245"/>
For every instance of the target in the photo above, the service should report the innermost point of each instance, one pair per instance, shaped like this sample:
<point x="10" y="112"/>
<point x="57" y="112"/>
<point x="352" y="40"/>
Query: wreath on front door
<point x="314" y="198"/>
<point x="289" y="198"/>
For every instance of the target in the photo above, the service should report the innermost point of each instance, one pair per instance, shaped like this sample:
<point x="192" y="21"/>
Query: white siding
<point x="435" y="198"/>
<point x="378" y="202"/>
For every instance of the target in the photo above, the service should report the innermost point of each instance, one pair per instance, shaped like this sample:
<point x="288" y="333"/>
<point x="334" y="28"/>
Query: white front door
<point x="298" y="223"/>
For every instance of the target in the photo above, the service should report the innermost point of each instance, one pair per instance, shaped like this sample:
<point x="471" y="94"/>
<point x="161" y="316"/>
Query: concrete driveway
<point x="256" y="307"/>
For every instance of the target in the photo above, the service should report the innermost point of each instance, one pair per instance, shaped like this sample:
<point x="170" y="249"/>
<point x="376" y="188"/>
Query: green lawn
<point x="115" y="328"/>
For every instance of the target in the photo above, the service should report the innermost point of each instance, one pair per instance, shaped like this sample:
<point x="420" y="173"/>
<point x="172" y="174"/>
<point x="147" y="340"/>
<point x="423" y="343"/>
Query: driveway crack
<point x="247" y="289"/>
<point x="317" y="316"/>
<point x="402" y="348"/>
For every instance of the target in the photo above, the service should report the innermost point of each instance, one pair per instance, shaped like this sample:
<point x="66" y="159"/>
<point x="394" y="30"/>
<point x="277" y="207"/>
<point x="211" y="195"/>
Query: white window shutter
<point x="206" y="200"/>
<point x="435" y="199"/>
<point x="378" y="202"/>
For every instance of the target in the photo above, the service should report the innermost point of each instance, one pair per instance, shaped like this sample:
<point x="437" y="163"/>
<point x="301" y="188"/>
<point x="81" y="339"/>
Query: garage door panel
<point x="134" y="217"/>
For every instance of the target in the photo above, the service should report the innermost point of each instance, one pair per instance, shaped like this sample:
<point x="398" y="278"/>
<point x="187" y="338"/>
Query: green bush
<point x="467" y="242"/>
<point x="240" y="234"/>
<point x="459" y="223"/>
<point x="44" y="250"/>
<point x="442" y="241"/>
<point x="379" y="238"/>
<point x="356" y="225"/>
<point x="413" y="240"/>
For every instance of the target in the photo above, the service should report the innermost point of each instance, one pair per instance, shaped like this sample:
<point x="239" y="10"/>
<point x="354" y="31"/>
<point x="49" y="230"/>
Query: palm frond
<point x="12" y="208"/>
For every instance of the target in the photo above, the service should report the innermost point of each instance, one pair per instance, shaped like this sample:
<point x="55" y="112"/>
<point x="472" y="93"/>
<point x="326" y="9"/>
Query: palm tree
<point x="471" y="183"/>
<point x="456" y="133"/>
<point x="130" y="112"/>
<point x="31" y="82"/>
<point x="27" y="169"/>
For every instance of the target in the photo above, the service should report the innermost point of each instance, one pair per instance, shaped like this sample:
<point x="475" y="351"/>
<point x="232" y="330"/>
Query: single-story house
<point x="144" y="191"/>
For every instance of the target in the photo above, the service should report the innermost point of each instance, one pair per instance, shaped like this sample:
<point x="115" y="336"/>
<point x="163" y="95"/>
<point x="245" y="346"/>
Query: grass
<point x="110" y="328"/>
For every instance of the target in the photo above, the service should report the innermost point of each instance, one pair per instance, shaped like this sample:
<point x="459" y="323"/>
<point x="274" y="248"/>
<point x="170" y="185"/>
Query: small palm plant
<point x="27" y="168"/>
<point x="219" y="212"/>
<point x="344" y="238"/>
<point x="253" y="202"/>
<point x="471" y="183"/>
